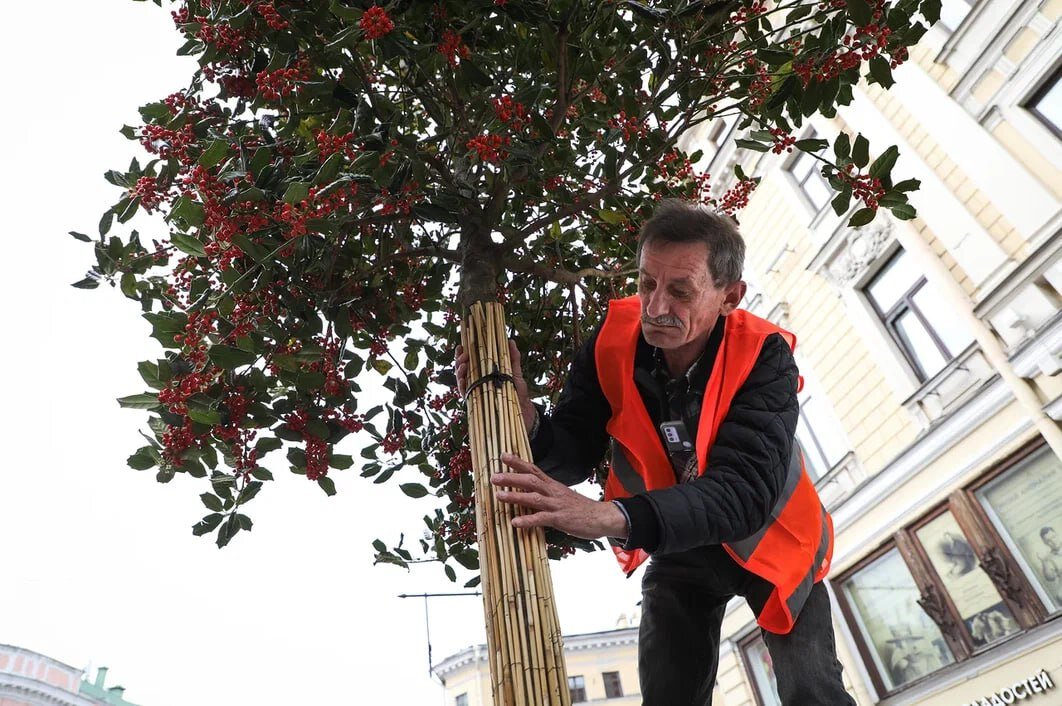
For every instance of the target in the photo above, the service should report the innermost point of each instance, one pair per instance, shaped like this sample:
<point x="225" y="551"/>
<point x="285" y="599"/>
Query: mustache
<point x="672" y="321"/>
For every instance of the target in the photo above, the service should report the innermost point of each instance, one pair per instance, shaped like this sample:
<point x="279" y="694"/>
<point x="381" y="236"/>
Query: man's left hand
<point x="555" y="504"/>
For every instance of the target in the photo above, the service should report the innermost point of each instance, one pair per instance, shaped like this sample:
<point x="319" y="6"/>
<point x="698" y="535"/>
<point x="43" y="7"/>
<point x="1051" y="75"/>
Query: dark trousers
<point x="684" y="596"/>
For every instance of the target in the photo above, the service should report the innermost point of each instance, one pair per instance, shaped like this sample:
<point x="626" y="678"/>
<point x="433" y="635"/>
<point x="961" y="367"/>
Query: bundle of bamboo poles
<point x="523" y="634"/>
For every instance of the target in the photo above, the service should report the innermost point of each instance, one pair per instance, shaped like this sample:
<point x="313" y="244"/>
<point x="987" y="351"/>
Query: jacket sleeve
<point x="571" y="441"/>
<point x="746" y="465"/>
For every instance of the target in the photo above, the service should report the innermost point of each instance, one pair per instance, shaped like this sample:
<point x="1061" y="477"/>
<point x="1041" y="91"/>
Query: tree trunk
<point x="525" y="651"/>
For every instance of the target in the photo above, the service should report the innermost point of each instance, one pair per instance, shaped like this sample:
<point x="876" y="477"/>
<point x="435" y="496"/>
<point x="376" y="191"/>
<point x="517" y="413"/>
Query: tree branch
<point x="559" y="274"/>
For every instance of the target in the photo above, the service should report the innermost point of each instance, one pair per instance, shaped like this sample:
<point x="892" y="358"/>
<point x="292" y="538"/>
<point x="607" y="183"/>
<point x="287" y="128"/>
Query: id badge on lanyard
<point x="680" y="449"/>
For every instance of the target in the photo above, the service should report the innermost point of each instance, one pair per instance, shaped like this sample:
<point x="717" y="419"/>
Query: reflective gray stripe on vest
<point x="745" y="547"/>
<point x="629" y="478"/>
<point x="800" y="595"/>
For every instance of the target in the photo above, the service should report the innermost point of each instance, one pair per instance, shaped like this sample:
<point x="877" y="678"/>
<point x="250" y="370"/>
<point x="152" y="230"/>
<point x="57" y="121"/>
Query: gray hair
<point x="677" y="221"/>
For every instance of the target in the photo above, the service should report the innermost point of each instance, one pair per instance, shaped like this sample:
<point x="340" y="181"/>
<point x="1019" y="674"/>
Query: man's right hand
<point x="526" y="408"/>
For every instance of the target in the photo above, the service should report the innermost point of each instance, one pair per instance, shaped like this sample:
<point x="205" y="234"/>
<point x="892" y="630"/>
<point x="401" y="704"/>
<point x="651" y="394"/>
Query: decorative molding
<point x="1042" y="353"/>
<point x="1021" y="274"/>
<point x="37" y="692"/>
<point x="953" y="385"/>
<point x="850" y="251"/>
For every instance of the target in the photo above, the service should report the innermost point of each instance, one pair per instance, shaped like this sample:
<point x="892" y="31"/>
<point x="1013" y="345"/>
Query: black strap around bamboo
<point x="497" y="377"/>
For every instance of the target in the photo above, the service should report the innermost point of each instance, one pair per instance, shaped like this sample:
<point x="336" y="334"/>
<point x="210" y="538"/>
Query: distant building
<point x="31" y="679"/>
<point x="602" y="668"/>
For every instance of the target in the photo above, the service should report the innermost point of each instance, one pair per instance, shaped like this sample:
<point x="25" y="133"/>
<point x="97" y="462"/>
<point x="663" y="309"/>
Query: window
<point x="720" y="129"/>
<point x="461" y="700"/>
<point x="613" y="688"/>
<point x="973" y="572"/>
<point x="1025" y="508"/>
<point x="577" y="688"/>
<point x="807" y="172"/>
<point x="904" y="642"/>
<point x="758" y="664"/>
<point x="1046" y="104"/>
<point x="916" y="316"/>
<point x="818" y="435"/>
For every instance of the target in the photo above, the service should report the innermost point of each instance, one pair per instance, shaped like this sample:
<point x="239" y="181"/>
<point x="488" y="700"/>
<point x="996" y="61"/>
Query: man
<point x="1051" y="562"/>
<point x="698" y="401"/>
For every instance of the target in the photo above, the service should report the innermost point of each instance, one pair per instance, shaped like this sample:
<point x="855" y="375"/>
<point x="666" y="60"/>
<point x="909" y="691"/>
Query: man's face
<point x="1051" y="539"/>
<point x="680" y="300"/>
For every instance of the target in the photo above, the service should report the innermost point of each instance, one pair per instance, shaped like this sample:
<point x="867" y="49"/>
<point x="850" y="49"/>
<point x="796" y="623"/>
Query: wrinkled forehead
<point x="675" y="262"/>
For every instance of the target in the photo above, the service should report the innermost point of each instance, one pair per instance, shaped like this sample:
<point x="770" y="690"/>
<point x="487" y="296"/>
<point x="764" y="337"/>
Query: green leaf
<point x="904" y="211"/>
<point x="860" y="12"/>
<point x="450" y="573"/>
<point x="861" y="151"/>
<point x="81" y="236"/>
<point x="611" y="217"/>
<point x="189" y="211"/>
<point x="211" y="501"/>
<point x="881" y="72"/>
<point x="267" y="444"/>
<point x="842" y="147"/>
<point x="128" y="285"/>
<point x="381" y="366"/>
<point x="907" y="185"/>
<point x="141" y="461"/>
<point x="414" y="490"/>
<point x="862" y="217"/>
<point x="752" y="145"/>
<point x="930" y="9"/>
<point x="341" y="461"/>
<point x="412" y="360"/>
<point x="262" y="473"/>
<point x="214" y="153"/>
<point x="87" y="283"/>
<point x="841" y="201"/>
<point x="329" y="169"/>
<point x="249" y="491"/>
<point x="187" y="244"/>
<point x="200" y="409"/>
<point x="207" y="524"/>
<point x="327" y="485"/>
<point x="228" y="531"/>
<point x="145" y="400"/>
<point x="231" y="358"/>
<point x="811" y="146"/>
<point x="774" y="57"/>
<point x="884" y="163"/>
<point x="297" y="191"/>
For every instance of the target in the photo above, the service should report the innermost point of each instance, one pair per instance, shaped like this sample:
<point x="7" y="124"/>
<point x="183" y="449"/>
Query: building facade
<point x="31" y="679"/>
<point x="931" y="352"/>
<point x="602" y="668"/>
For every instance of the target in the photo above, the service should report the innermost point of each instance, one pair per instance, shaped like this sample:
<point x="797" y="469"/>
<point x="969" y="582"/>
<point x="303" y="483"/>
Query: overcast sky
<point x="98" y="565"/>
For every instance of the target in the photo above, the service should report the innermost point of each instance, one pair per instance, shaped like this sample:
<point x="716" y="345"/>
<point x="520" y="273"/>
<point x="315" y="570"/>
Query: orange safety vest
<point x="794" y="549"/>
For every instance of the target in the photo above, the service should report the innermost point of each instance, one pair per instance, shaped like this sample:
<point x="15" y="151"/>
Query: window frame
<point x="905" y="304"/>
<point x="743" y="644"/>
<point x="798" y="184"/>
<point x="1050" y="81"/>
<point x="572" y="689"/>
<point x="605" y="676"/>
<point x="458" y="699"/>
<point x="1029" y="610"/>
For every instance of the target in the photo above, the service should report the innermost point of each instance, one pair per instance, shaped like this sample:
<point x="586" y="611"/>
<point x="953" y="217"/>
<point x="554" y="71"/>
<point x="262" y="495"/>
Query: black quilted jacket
<point x="746" y="465"/>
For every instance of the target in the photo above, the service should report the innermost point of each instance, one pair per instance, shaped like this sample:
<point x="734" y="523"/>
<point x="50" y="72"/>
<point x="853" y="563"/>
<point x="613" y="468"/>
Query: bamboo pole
<point x="523" y="633"/>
